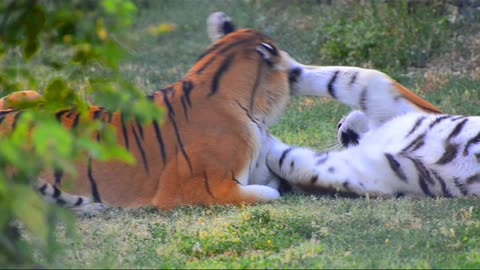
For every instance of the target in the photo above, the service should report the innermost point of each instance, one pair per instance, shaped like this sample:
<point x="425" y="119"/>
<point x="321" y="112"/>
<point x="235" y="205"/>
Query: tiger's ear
<point x="219" y="25"/>
<point x="267" y="51"/>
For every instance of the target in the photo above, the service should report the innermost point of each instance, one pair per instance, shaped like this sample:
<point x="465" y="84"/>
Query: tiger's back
<point x="202" y="151"/>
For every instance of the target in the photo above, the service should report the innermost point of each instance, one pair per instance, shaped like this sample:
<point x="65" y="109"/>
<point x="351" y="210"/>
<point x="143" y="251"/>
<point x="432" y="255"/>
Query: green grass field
<point x="296" y="231"/>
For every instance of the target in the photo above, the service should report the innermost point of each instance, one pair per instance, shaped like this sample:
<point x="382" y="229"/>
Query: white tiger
<point x="397" y="144"/>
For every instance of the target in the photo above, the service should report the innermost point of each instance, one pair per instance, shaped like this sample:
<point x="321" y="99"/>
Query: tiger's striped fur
<point x="397" y="144"/>
<point x="50" y="193"/>
<point x="207" y="150"/>
<point x="14" y="99"/>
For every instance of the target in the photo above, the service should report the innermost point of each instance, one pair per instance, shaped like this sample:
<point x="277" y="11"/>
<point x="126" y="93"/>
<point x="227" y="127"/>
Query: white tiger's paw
<point x="351" y="128"/>
<point x="88" y="209"/>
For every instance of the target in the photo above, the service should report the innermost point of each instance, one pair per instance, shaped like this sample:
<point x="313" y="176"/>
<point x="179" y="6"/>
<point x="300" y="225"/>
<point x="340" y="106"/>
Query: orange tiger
<point x="206" y="151"/>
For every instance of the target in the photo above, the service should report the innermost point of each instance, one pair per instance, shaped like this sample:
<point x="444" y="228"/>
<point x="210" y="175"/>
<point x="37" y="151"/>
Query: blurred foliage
<point x="381" y="34"/>
<point x="84" y="34"/>
<point x="384" y="35"/>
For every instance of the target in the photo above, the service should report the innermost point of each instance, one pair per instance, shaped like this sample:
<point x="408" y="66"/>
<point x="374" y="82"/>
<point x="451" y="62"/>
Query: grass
<point x="296" y="231"/>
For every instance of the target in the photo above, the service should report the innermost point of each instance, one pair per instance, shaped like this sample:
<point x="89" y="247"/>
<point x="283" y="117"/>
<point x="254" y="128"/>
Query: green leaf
<point x="52" y="140"/>
<point x="30" y="210"/>
<point x="110" y="54"/>
<point x="104" y="152"/>
<point x="58" y="96"/>
<point x="124" y="10"/>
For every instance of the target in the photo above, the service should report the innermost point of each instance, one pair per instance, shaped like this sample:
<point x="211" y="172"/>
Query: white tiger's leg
<point x="261" y="174"/>
<point x="374" y="93"/>
<point x="78" y="204"/>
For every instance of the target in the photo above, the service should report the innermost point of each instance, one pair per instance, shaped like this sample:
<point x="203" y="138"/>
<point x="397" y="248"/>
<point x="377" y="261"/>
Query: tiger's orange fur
<point x="10" y="101"/>
<point x="201" y="153"/>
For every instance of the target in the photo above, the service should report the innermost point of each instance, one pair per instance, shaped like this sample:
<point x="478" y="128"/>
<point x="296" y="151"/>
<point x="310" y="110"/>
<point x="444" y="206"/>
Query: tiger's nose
<point x="293" y="74"/>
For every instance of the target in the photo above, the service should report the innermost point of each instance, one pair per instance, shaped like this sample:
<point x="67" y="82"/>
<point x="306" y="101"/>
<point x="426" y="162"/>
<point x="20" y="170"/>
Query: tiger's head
<point x="244" y="68"/>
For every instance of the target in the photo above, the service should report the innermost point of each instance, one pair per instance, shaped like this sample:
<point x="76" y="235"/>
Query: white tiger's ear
<point x="219" y="25"/>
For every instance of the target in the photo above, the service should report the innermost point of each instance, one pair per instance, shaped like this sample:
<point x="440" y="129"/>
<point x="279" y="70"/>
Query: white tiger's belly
<point x="413" y="155"/>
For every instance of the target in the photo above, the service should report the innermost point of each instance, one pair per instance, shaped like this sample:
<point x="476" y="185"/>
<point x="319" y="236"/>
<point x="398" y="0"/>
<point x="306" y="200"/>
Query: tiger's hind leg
<point x="81" y="206"/>
<point x="207" y="187"/>
<point x="210" y="191"/>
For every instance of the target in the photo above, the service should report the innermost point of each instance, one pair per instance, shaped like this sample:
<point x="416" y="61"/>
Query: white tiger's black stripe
<point x="353" y="79"/>
<point x="363" y="102"/>
<point x="438" y="120"/>
<point x="321" y="158"/>
<point x="416" y="143"/>
<point x="417" y="124"/>
<point x="443" y="185"/>
<point x="423" y="176"/>
<point x="460" y="186"/>
<point x="58" y="175"/>
<point x="452" y="149"/>
<point x="474" y="140"/>
<point x="458" y="128"/>
<point x="396" y="167"/>
<point x="331" y="87"/>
